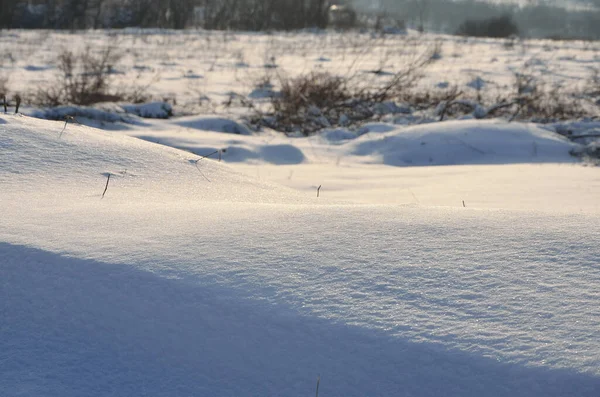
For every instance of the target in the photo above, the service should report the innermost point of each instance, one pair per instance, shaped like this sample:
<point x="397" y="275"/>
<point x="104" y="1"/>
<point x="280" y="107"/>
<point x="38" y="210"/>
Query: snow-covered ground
<point x="488" y="164"/>
<point x="191" y="278"/>
<point x="201" y="70"/>
<point x="456" y="258"/>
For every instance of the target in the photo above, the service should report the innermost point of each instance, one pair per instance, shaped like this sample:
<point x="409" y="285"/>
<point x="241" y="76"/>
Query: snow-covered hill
<point x="486" y="163"/>
<point x="196" y="279"/>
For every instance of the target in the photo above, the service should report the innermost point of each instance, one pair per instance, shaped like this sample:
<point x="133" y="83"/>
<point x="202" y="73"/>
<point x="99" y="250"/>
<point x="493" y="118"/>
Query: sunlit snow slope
<point x="489" y="164"/>
<point x="191" y="279"/>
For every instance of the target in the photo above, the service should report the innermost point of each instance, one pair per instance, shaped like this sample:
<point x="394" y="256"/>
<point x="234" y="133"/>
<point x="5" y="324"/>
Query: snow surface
<point x="455" y="258"/>
<point x="487" y="164"/>
<point x="191" y="277"/>
<point x="203" y="70"/>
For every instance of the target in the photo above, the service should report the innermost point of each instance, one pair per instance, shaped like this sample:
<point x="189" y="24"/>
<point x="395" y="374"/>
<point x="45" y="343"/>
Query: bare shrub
<point x="534" y="100"/>
<point x="86" y="78"/>
<point x="5" y="97"/>
<point x="3" y="86"/>
<point x="316" y="100"/>
<point x="426" y="99"/>
<point x="83" y="78"/>
<point x="316" y="92"/>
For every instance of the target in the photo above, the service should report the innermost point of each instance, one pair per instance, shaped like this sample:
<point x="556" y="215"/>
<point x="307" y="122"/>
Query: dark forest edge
<point x="536" y="19"/>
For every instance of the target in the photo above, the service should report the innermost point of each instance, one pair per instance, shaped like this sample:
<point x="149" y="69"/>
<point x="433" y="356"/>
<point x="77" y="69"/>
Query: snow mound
<point x="55" y="157"/>
<point x="110" y="113"/>
<point x="152" y="110"/>
<point x="106" y="112"/>
<point x="464" y="142"/>
<point x="190" y="279"/>
<point x="337" y="135"/>
<point x="216" y="124"/>
<point x="238" y="149"/>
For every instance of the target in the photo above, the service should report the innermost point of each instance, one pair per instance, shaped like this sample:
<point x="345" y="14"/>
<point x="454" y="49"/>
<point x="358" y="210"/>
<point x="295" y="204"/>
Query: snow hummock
<point x="191" y="277"/>
<point x="46" y="155"/>
<point x="152" y="110"/>
<point x="216" y="124"/>
<point x="466" y="142"/>
<point x="106" y="112"/>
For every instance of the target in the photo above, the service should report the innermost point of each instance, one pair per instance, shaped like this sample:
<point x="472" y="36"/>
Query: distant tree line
<point x="534" y="19"/>
<point x="174" y="14"/>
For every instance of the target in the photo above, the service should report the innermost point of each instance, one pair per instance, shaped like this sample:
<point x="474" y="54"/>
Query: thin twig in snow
<point x="218" y="151"/>
<point x="318" y="381"/>
<point x="199" y="170"/>
<point x="414" y="196"/>
<point x="106" y="187"/>
<point x="67" y="119"/>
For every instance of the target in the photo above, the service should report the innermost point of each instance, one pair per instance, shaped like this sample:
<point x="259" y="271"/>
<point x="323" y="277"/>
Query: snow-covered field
<point x="200" y="70"/>
<point x="458" y="258"/>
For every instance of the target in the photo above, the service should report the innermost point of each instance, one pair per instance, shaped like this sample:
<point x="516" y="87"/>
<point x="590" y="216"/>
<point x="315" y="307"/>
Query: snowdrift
<point x="174" y="285"/>
<point x="464" y="142"/>
<point x="54" y="159"/>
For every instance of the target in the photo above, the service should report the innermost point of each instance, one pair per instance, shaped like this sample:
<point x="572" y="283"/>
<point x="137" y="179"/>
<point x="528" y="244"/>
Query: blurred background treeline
<point x="531" y="18"/>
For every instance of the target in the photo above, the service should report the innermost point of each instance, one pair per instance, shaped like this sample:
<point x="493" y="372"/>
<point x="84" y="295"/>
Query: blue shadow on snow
<point x="72" y="327"/>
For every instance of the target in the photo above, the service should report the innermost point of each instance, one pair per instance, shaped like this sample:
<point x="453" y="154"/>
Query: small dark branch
<point x="452" y="96"/>
<point x="5" y="104"/>
<point x="197" y="162"/>
<point x="318" y="190"/>
<point x="106" y="187"/>
<point x="516" y="113"/>
<point x="318" y="381"/>
<point x="210" y="154"/>
<point x="497" y="107"/>
<point x="218" y="151"/>
<point x="18" y="103"/>
<point x="199" y="170"/>
<point x="67" y="119"/>
<point x="464" y="206"/>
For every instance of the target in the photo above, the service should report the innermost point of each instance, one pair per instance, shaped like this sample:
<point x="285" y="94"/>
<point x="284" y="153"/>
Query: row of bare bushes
<point x="320" y="99"/>
<point x="82" y="78"/>
<point x="316" y="100"/>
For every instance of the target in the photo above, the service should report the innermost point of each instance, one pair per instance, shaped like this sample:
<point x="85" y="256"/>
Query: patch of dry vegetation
<point x="318" y="99"/>
<point x="86" y="78"/>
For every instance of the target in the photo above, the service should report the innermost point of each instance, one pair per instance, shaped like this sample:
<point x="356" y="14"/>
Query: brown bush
<point x="308" y="93"/>
<point x="83" y="78"/>
<point x="315" y="100"/>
